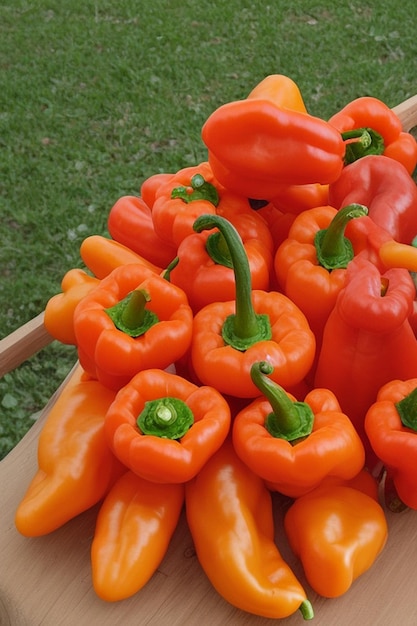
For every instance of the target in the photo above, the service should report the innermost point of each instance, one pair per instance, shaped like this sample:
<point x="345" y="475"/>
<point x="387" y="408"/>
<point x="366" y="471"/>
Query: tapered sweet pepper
<point x="310" y="265"/>
<point x="295" y="445"/>
<point x="229" y="513"/>
<point x="130" y="222"/>
<point x="391" y="425"/>
<point x="205" y="270"/>
<point x="281" y="90"/>
<point x="59" y="310"/>
<point x="164" y="427"/>
<point x="102" y="255"/>
<point x="133" y="320"/>
<point x="133" y="530"/>
<point x="192" y="191"/>
<point x="371" y="127"/>
<point x="256" y="147"/>
<point x="367" y="340"/>
<point x="228" y="337"/>
<point x="386" y="188"/>
<point x="337" y="532"/>
<point x="76" y="467"/>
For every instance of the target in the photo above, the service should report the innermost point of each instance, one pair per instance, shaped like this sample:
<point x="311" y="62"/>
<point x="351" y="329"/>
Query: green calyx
<point x="199" y="189"/>
<point x="368" y="141"/>
<point x="333" y="249"/>
<point x="306" y="610"/>
<point x="130" y="315"/>
<point x="289" y="420"/>
<point x="244" y="328"/>
<point x="168" y="418"/>
<point x="407" y="410"/>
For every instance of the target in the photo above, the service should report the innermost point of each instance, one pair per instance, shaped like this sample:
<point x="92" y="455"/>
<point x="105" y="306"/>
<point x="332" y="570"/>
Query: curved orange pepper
<point x="76" y="467"/>
<point x="134" y="527"/>
<point x="102" y="255"/>
<point x="229" y="513"/>
<point x="281" y="90"/>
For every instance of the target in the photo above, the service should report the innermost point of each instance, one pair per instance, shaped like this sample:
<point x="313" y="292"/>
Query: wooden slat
<point x="407" y="112"/>
<point x="23" y="343"/>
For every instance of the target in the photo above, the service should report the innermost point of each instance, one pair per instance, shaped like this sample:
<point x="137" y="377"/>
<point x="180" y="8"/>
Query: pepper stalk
<point x="244" y="328"/>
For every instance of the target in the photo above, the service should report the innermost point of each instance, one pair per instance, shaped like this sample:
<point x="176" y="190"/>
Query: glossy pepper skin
<point x="191" y="192"/>
<point x="102" y="255"/>
<point x="295" y="445"/>
<point x="368" y="112"/>
<point x="59" y="310"/>
<point x="367" y="340"/>
<point x="256" y="147"/>
<point x="228" y="337"/>
<point x="76" y="467"/>
<point x="337" y="532"/>
<point x="159" y="456"/>
<point x="386" y="188"/>
<point x="281" y="90"/>
<point x="390" y="424"/>
<point x="205" y="271"/>
<point x="130" y="223"/>
<point x="112" y="355"/>
<point x="309" y="273"/>
<point x="229" y="513"/>
<point x="133" y="530"/>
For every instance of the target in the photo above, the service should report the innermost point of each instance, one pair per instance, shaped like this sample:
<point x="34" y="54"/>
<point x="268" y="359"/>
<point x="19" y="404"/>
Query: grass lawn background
<point x="97" y="96"/>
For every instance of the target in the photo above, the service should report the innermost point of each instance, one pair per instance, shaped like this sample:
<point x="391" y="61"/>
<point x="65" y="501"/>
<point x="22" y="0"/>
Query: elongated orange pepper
<point x="134" y="527"/>
<point x="281" y="90"/>
<point x="133" y="320"/>
<point x="76" y="467"/>
<point x="338" y="533"/>
<point x="102" y="255"/>
<point x="59" y="310"/>
<point x="228" y="337"/>
<point x="229" y="513"/>
<point x="295" y="445"/>
<point x="164" y="427"/>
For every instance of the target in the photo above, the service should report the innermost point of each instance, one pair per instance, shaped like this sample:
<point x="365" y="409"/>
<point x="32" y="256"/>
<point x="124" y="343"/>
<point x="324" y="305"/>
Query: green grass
<point x="96" y="96"/>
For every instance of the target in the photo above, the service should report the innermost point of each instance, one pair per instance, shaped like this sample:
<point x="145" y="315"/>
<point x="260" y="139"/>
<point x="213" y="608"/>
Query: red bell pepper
<point x="367" y="339"/>
<point x="386" y="188"/>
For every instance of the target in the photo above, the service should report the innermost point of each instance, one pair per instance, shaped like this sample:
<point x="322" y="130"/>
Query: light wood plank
<point x="23" y="343"/>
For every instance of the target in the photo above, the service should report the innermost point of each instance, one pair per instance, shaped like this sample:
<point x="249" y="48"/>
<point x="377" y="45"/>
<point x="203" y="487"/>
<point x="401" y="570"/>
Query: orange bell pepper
<point x="150" y="186"/>
<point x="205" y="270"/>
<point x="191" y="192"/>
<point x="102" y="255"/>
<point x="164" y="427"/>
<point x="390" y="425"/>
<point x="295" y="445"/>
<point x="310" y="265"/>
<point x="76" y="467"/>
<point x="337" y="532"/>
<point x="133" y="320"/>
<point x="59" y="310"/>
<point x="228" y="337"/>
<point x="130" y="222"/>
<point x="256" y="147"/>
<point x="133" y="530"/>
<point x="229" y="513"/>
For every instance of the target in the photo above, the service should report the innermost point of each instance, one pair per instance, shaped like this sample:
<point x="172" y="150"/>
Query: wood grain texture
<point x="46" y="581"/>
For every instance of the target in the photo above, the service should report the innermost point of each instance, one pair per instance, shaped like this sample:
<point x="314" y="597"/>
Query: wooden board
<point x="46" y="581"/>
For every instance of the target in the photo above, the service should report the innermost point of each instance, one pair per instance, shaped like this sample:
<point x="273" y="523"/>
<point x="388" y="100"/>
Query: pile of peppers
<point x="247" y="332"/>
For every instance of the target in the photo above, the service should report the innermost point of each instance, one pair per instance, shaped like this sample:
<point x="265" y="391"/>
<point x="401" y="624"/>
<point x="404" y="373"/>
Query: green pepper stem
<point x="199" y="189"/>
<point x="333" y="249"/>
<point x="218" y="250"/>
<point x="245" y="327"/>
<point x="306" y="609"/>
<point x="289" y="419"/>
<point x="130" y="314"/>
<point x="167" y="417"/>
<point x="369" y="141"/>
<point x="407" y="410"/>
